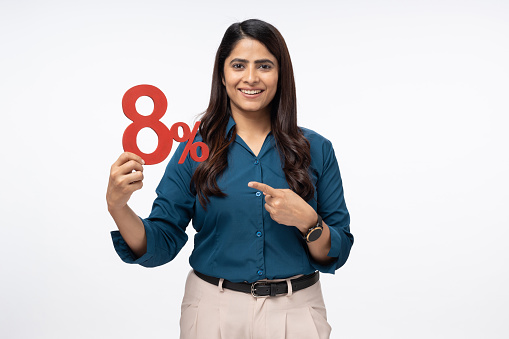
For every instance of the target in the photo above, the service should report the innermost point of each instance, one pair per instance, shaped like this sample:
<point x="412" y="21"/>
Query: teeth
<point x="251" y="91"/>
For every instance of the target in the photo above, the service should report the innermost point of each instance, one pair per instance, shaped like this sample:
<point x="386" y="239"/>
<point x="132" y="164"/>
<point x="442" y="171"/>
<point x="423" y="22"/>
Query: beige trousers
<point x="211" y="312"/>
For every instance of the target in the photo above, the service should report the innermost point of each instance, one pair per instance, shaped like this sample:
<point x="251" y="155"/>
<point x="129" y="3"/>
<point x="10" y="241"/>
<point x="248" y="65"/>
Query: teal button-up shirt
<point x="236" y="238"/>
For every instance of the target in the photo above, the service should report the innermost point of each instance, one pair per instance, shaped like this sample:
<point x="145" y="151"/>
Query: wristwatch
<point x="314" y="232"/>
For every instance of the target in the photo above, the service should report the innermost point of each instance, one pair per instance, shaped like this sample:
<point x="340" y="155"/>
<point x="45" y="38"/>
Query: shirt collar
<point x="230" y="125"/>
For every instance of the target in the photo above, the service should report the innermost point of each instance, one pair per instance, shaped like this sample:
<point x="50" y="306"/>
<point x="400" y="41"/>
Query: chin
<point x="252" y="109"/>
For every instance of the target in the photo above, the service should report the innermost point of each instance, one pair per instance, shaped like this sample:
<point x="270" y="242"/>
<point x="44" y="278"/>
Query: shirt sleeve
<point x="171" y="212"/>
<point x="332" y="208"/>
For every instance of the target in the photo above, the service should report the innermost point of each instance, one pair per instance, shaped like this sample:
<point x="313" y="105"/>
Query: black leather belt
<point x="262" y="288"/>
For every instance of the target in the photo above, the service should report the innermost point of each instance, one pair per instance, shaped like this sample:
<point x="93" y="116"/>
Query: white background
<point x="413" y="95"/>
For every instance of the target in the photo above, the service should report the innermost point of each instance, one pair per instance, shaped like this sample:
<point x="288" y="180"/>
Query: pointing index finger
<point x="263" y="187"/>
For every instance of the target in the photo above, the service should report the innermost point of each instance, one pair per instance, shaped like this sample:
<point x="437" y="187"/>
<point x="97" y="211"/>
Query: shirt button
<point x="258" y="194"/>
<point x="260" y="272"/>
<point x="258" y="234"/>
<point x="256" y="162"/>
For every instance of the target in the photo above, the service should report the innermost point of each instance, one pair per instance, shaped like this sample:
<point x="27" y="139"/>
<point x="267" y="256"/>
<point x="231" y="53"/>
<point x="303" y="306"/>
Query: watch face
<point x="314" y="234"/>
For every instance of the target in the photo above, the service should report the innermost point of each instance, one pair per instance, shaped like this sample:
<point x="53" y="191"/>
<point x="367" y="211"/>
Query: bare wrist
<point x="116" y="209"/>
<point x="308" y="222"/>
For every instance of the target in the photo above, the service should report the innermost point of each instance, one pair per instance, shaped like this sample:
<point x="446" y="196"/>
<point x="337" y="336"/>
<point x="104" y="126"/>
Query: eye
<point x="237" y="66"/>
<point x="265" y="66"/>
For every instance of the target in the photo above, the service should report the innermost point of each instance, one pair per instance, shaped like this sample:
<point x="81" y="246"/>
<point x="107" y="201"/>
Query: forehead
<point x="251" y="49"/>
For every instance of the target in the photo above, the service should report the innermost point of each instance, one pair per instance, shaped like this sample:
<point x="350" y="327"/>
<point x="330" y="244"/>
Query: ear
<point x="222" y="79"/>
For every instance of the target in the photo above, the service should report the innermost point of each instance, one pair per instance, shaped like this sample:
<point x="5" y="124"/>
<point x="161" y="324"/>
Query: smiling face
<point x="250" y="77"/>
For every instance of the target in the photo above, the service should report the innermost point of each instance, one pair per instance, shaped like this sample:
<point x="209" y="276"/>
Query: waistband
<point x="264" y="288"/>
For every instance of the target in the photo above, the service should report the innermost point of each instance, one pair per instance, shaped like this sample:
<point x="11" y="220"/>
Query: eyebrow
<point x="261" y="61"/>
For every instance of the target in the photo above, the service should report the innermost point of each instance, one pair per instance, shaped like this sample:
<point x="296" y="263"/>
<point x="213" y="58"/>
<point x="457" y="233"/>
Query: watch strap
<point x="314" y="232"/>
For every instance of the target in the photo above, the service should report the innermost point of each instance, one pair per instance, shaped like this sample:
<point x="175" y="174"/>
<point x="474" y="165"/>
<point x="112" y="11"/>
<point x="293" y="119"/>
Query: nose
<point x="251" y="75"/>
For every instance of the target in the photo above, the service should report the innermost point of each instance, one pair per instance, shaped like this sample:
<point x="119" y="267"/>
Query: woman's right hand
<point x="126" y="176"/>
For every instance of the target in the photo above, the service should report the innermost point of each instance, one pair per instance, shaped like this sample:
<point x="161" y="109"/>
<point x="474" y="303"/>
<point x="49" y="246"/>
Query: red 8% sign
<point x="165" y="136"/>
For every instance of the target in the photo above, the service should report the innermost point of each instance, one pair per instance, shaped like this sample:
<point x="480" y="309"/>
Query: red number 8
<point x="151" y="121"/>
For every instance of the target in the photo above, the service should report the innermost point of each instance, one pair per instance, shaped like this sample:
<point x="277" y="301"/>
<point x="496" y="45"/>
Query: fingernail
<point x="142" y="162"/>
<point x="250" y="184"/>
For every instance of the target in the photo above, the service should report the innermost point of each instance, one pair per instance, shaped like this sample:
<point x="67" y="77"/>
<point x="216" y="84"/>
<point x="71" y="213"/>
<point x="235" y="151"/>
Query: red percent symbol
<point x="153" y="122"/>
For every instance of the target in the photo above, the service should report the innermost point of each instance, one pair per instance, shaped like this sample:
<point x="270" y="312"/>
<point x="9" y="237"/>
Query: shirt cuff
<point x="335" y="243"/>
<point x="334" y="251"/>
<point x="124" y="251"/>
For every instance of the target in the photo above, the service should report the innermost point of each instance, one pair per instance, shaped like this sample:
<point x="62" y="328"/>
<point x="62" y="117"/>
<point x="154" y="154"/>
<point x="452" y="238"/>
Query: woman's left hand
<point x="287" y="207"/>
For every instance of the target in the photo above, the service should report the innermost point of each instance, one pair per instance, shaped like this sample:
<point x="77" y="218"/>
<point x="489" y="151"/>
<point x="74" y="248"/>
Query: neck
<point x="252" y="123"/>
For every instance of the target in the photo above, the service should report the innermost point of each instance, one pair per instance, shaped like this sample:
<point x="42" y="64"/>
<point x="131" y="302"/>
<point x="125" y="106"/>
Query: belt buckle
<point x="253" y="289"/>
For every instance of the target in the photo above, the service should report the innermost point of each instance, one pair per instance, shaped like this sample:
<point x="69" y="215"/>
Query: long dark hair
<point x="293" y="147"/>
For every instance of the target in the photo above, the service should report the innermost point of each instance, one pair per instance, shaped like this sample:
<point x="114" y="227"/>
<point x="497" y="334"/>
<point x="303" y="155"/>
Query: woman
<point x="267" y="204"/>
